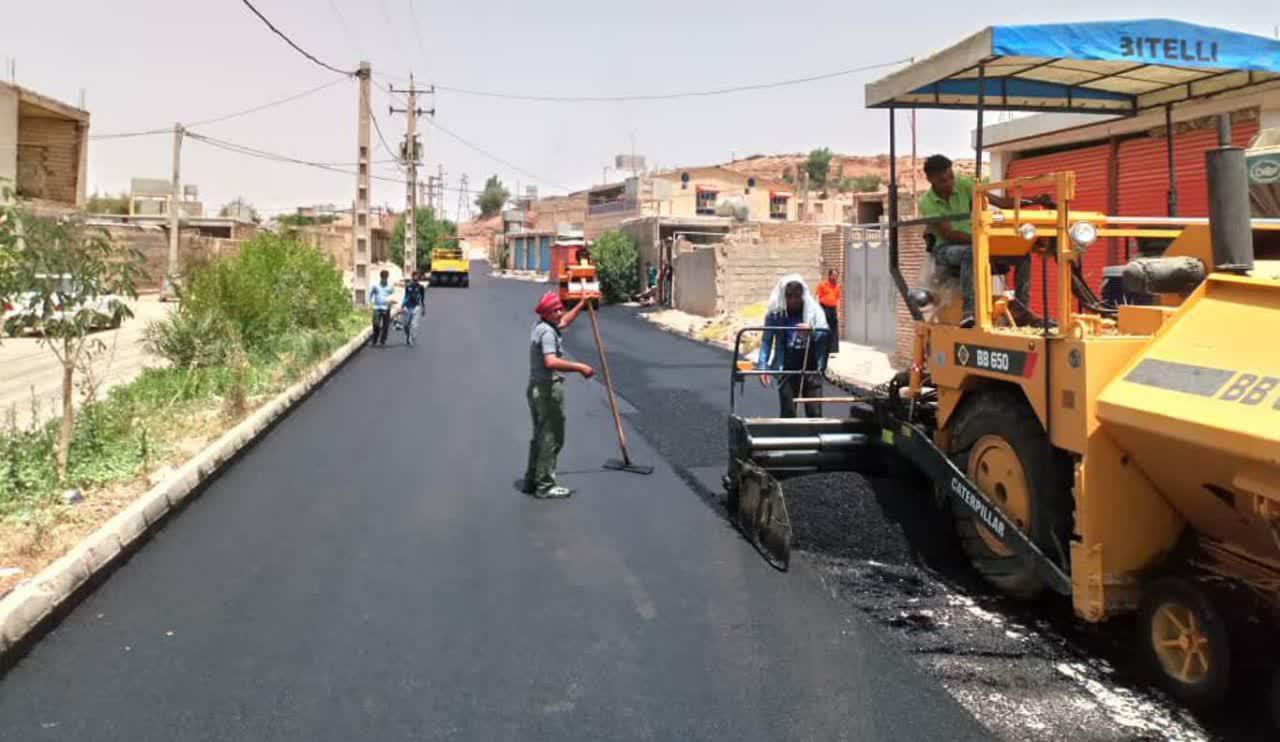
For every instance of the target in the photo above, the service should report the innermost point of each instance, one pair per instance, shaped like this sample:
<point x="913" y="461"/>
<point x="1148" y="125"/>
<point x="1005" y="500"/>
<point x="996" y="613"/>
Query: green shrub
<point x="190" y="339"/>
<point x="273" y="287"/>
<point x="617" y="265"/>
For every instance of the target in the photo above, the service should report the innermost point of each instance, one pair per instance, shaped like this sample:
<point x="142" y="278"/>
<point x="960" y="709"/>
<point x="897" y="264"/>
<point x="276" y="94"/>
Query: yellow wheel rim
<point x="1180" y="643"/>
<point x="996" y="469"/>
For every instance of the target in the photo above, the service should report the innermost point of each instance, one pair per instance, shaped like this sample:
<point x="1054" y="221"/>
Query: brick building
<point x="43" y="149"/>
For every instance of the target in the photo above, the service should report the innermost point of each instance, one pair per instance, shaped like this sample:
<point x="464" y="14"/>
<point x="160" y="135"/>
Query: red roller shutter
<point x="1091" y="165"/>
<point x="1144" y="170"/>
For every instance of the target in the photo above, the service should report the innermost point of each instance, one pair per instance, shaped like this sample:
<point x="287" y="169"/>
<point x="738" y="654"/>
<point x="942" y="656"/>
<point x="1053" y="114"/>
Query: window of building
<point x="362" y="245"/>
<point x="777" y="206"/>
<point x="706" y="204"/>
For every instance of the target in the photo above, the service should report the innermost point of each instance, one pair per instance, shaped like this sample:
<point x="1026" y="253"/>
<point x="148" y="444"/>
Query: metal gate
<point x="517" y="254"/>
<point x="544" y="254"/>
<point x="869" y="294"/>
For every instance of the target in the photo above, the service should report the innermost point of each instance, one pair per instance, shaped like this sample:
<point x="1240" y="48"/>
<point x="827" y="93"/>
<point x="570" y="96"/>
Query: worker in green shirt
<point x="953" y="240"/>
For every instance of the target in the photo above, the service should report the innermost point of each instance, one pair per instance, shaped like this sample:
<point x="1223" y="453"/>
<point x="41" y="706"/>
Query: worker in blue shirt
<point x="380" y="301"/>
<point x="797" y="341"/>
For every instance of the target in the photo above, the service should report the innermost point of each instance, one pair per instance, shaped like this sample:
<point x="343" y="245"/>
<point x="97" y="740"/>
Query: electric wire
<point x="432" y="122"/>
<point x="417" y="29"/>
<point x="290" y="42"/>
<point x="227" y="117"/>
<point x="276" y="157"/>
<point x="655" y="96"/>
<point x="668" y="96"/>
<point x="346" y="30"/>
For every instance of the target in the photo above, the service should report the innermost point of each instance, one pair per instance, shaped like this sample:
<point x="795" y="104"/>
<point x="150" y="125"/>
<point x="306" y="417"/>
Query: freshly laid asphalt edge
<point x="32" y="603"/>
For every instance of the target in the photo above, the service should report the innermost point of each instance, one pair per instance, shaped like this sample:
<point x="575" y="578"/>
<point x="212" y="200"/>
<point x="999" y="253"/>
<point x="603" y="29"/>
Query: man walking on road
<point x="546" y="395"/>
<point x="413" y="302"/>
<point x="380" y="301"/>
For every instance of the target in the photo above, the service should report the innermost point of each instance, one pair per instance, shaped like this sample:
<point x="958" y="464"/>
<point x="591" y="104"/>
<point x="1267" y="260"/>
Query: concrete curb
<point x="36" y="601"/>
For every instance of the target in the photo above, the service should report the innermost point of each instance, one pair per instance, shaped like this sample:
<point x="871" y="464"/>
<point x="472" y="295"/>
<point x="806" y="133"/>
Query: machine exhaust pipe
<point x="1229" y="213"/>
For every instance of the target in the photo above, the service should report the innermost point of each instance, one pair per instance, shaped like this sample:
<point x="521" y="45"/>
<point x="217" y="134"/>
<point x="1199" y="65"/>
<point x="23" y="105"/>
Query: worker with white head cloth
<point x="797" y="340"/>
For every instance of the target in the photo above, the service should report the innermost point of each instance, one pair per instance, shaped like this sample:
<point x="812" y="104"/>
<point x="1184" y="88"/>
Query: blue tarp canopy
<point x="1120" y="67"/>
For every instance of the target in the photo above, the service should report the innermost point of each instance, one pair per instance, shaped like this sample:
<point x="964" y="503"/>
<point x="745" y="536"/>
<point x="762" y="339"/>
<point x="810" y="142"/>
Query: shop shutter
<point x="1093" y="193"/>
<point x="1144" y="170"/>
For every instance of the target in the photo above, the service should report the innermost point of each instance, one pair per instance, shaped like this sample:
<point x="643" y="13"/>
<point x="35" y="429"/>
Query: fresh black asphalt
<point x="368" y="571"/>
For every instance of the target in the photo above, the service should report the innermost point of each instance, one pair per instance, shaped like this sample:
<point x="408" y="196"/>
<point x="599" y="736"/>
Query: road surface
<point x="368" y="571"/>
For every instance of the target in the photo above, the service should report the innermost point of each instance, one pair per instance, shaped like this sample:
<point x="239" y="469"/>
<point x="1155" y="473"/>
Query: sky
<point x="145" y="64"/>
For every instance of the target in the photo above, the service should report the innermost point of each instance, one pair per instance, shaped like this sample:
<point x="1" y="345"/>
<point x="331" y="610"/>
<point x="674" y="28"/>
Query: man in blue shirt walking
<point x="380" y="301"/>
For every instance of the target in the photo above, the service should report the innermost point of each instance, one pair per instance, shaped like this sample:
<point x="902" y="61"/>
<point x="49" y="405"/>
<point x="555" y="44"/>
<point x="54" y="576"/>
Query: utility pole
<point x="464" y="205"/>
<point x="167" y="292"/>
<point x="360" y="210"/>
<point x="411" y="153"/>
<point x="438" y="205"/>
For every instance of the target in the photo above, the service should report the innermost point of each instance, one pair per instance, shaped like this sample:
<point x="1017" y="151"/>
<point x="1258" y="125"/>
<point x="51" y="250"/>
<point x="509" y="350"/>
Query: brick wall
<point x="338" y="245"/>
<point x="598" y="224"/>
<point x="911" y="257"/>
<point x="832" y="258"/>
<point x="749" y="266"/>
<point x="547" y="213"/>
<point x="48" y="163"/>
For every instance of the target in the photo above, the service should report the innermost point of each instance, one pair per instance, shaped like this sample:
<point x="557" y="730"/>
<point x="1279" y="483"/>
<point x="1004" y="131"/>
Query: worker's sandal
<point x="552" y="493"/>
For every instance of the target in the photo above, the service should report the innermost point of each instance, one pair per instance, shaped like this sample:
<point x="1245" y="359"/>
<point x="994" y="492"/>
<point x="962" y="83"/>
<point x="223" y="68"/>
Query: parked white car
<point x="103" y="309"/>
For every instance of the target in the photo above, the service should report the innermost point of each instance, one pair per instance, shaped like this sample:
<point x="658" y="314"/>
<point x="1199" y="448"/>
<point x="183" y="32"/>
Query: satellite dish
<point x="684" y="180"/>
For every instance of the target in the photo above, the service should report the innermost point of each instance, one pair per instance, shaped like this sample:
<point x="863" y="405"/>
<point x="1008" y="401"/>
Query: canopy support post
<point x="1168" y="140"/>
<point x="982" y="90"/>
<point x="892" y="195"/>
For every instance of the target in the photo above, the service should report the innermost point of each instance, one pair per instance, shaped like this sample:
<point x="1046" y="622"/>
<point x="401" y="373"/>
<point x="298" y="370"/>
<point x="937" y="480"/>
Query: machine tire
<point x="466" y="281"/>
<point x="1174" y="603"/>
<point x="1003" y="415"/>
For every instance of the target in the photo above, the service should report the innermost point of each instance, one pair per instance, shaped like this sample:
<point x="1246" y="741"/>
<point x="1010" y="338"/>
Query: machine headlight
<point x="1083" y="234"/>
<point x="997" y="215"/>
<point x="1028" y="232"/>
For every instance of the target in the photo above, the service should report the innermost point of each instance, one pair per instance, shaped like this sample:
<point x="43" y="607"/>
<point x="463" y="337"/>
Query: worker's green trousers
<point x="546" y="405"/>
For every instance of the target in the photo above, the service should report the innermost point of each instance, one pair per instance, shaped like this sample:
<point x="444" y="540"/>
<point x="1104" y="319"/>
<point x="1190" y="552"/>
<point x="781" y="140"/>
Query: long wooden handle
<point x="608" y="383"/>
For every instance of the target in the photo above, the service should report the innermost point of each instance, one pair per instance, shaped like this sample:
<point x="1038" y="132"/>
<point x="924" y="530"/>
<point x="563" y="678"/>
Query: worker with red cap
<point x="546" y="395"/>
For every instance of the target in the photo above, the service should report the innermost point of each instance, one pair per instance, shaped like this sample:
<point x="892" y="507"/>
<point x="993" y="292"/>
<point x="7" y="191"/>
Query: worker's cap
<point x="548" y="304"/>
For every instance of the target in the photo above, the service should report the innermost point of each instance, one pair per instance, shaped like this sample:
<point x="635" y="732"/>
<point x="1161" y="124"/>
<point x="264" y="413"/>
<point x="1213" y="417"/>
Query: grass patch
<point x="136" y="426"/>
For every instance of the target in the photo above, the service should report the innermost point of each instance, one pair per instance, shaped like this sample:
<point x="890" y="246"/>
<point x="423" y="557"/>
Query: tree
<point x="818" y="166"/>
<point x="492" y="198"/>
<point x="65" y="279"/>
<point x="432" y="233"/>
<point x="240" y="207"/>
<point x="105" y="203"/>
<point x="299" y="220"/>
<point x="617" y="262"/>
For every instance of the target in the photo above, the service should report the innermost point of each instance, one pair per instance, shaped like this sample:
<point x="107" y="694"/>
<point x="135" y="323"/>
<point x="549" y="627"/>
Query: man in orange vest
<point x="829" y="294"/>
